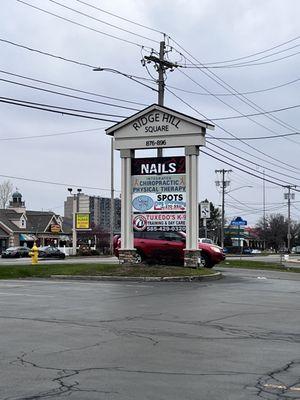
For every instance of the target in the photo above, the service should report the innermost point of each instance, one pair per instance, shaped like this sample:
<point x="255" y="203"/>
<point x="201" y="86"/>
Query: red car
<point x="168" y="247"/>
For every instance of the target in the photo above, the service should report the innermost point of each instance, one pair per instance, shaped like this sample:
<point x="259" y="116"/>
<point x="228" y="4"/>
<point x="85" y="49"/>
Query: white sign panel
<point x="158" y="193"/>
<point x="204" y="210"/>
<point x="158" y="202"/>
<point x="158" y="183"/>
<point x="159" y="127"/>
<point x="159" y="222"/>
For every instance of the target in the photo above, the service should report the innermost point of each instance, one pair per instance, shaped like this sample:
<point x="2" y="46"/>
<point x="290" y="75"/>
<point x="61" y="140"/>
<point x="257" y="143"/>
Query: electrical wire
<point x="82" y="25"/>
<point x="50" y="134"/>
<point x="72" y="89"/>
<point x="119" y="17"/>
<point x="67" y="95"/>
<point x="47" y="53"/>
<point x="55" y="111"/>
<point x="248" y="63"/>
<point x="250" y="168"/>
<point x="281" y="135"/>
<point x="244" y="115"/>
<point x="240" y="169"/>
<point x="231" y="134"/>
<point x="255" y="54"/>
<point x="233" y="94"/>
<point x="63" y="108"/>
<point x="242" y="98"/>
<point x="255" y="114"/>
<point x="250" y="162"/>
<point x="103" y="22"/>
<point x="54" y="183"/>
<point x="132" y="77"/>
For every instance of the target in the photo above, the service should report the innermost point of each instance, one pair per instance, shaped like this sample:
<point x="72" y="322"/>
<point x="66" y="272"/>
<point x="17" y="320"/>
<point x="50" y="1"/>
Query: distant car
<point x="166" y="247"/>
<point x="256" y="251"/>
<point x="247" y="250"/>
<point x="51" y="252"/>
<point x="205" y="240"/>
<point x="15" y="252"/>
<point x="296" y="250"/>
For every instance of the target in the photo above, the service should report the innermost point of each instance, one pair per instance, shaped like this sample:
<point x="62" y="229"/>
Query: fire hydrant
<point x="34" y="253"/>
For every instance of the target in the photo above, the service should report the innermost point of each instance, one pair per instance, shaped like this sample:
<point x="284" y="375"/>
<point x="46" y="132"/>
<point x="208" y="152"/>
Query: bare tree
<point x="6" y="189"/>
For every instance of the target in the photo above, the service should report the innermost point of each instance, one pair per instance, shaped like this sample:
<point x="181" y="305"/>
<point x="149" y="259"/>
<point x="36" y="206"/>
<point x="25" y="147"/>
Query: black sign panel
<point x="158" y="165"/>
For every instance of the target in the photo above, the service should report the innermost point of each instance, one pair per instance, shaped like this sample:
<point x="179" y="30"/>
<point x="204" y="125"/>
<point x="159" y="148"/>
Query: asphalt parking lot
<point x="237" y="338"/>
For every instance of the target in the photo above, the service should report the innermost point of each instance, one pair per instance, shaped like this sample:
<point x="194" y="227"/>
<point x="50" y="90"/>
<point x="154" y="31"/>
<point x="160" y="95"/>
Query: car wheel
<point x="205" y="261"/>
<point x="139" y="258"/>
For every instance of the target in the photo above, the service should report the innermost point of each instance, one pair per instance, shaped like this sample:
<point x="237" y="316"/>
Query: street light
<point x="75" y="210"/>
<point x="131" y="77"/>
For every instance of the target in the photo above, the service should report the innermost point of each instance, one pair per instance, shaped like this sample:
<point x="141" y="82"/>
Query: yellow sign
<point x="82" y="221"/>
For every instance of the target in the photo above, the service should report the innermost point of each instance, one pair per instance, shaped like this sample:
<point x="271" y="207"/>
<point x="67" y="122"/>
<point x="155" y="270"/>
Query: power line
<point x="248" y="63"/>
<point x="240" y="169"/>
<point x="281" y="135"/>
<point x="233" y="94"/>
<point x="54" y="183"/>
<point x="72" y="89"/>
<point x="253" y="54"/>
<point x="231" y="134"/>
<point x="119" y="17"/>
<point x="256" y="114"/>
<point x="246" y="166"/>
<point x="50" y="134"/>
<point x="132" y="77"/>
<point x="63" y="108"/>
<point x="103" y="22"/>
<point x="67" y="95"/>
<point x="54" y="111"/>
<point x="248" y="102"/>
<point x="242" y="98"/>
<point x="83" y="26"/>
<point x="251" y="162"/>
<point x="46" y="53"/>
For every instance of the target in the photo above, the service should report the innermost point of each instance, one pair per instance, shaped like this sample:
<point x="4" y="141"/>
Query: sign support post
<point x="191" y="252"/>
<point x="127" y="252"/>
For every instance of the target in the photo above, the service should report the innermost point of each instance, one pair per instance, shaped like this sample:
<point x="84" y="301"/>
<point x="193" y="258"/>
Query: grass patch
<point x="46" y="270"/>
<point x="247" y="264"/>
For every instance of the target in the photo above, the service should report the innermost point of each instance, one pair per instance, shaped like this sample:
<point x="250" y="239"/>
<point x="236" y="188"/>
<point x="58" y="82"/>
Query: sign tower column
<point x="191" y="252"/>
<point x="127" y="252"/>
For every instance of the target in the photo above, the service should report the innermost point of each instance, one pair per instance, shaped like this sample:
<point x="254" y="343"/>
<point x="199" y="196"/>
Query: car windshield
<point x="44" y="248"/>
<point x="12" y="248"/>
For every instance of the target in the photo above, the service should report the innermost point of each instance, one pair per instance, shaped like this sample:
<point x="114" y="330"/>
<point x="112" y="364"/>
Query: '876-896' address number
<point x="151" y="143"/>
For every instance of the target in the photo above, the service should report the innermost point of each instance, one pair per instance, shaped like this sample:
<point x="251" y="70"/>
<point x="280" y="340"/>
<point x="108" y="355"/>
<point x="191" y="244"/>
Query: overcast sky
<point x="216" y="33"/>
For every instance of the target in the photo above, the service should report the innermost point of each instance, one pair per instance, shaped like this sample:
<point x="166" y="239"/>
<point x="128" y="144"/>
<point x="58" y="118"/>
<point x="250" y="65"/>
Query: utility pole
<point x="161" y="65"/>
<point x="112" y="200"/>
<point x="264" y="209"/>
<point x="223" y="183"/>
<point x="288" y="196"/>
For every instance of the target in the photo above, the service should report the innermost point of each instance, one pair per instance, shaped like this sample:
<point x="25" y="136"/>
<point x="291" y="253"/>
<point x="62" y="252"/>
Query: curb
<point x="193" y="278"/>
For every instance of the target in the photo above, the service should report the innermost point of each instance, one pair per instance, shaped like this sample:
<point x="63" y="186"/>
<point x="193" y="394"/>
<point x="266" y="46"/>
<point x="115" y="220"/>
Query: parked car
<point x="166" y="247"/>
<point x="205" y="240"/>
<point x="296" y="250"/>
<point x="247" y="250"/>
<point x="51" y="252"/>
<point x="15" y="252"/>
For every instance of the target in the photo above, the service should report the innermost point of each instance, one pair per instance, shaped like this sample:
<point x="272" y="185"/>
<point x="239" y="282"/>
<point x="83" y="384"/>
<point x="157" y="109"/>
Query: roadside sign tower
<point x="158" y="203"/>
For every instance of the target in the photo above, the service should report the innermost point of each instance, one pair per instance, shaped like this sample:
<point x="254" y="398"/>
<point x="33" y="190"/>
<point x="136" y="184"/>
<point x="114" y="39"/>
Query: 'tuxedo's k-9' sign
<point x="159" y="193"/>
